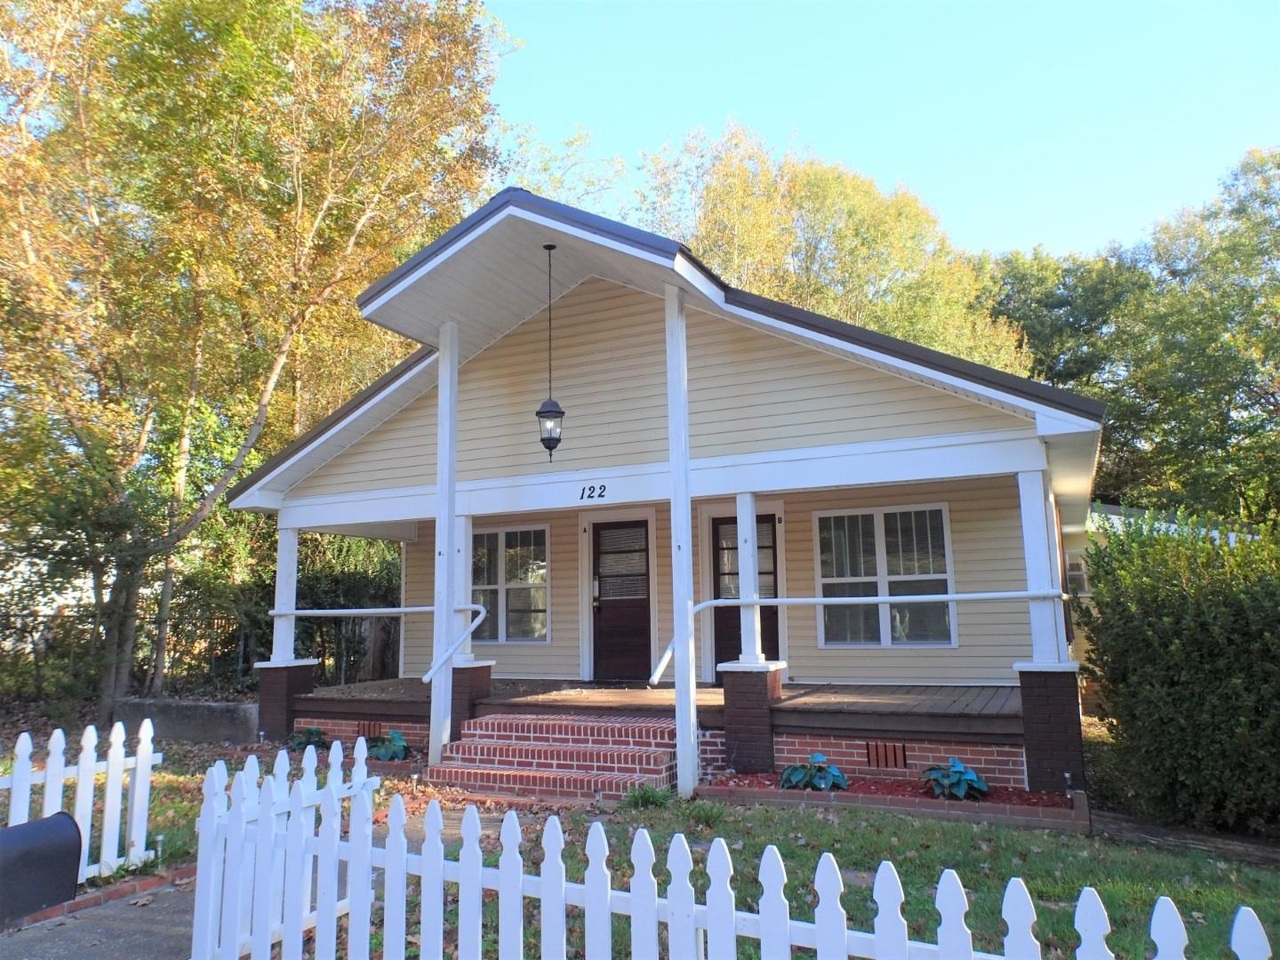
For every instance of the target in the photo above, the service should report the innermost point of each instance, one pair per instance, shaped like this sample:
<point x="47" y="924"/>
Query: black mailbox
<point x="39" y="866"/>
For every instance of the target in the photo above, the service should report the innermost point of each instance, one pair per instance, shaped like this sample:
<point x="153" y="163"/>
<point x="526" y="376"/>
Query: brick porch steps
<point x="561" y="756"/>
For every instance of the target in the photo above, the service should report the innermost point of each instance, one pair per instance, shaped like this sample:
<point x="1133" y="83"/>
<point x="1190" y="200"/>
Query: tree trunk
<point x="119" y="633"/>
<point x="177" y="501"/>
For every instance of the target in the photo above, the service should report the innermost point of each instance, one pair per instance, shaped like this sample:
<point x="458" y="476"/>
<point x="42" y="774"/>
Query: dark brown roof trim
<point x="419" y="356"/>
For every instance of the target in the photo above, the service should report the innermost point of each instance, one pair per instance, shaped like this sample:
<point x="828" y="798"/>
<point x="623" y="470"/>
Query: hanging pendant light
<point x="550" y="415"/>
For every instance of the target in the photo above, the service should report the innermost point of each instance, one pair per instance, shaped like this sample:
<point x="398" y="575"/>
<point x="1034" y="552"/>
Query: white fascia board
<point x="262" y="496"/>
<point x="512" y="211"/>
<point x="1056" y="420"/>
<point x="945" y="457"/>
<point x="558" y="491"/>
<point x="864" y="467"/>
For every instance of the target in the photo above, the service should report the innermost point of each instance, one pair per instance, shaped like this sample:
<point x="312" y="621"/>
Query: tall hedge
<point x="1185" y="630"/>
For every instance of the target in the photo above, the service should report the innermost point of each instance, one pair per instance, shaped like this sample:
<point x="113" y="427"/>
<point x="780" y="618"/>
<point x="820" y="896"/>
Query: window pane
<point x="768" y="586"/>
<point x="860" y="624"/>
<point x="489" y="598"/>
<point x="727" y="586"/>
<point x="914" y="543"/>
<point x="727" y="535"/>
<point x="848" y="546"/>
<point x="919" y="622"/>
<point x="764" y="533"/>
<point x="526" y="613"/>
<point x="526" y="556"/>
<point x="484" y="559"/>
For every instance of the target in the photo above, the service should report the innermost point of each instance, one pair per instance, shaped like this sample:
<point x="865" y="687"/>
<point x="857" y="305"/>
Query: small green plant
<point x="954" y="780"/>
<point x="818" y="774"/>
<point x="307" y="737"/>
<point x="706" y="814"/>
<point x="390" y="747"/>
<point x="645" y="795"/>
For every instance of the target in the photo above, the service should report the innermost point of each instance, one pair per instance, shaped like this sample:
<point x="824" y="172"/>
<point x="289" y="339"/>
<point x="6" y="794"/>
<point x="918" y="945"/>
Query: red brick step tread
<point x="576" y="730"/>
<point x="541" y="783"/>
<point x="585" y="759"/>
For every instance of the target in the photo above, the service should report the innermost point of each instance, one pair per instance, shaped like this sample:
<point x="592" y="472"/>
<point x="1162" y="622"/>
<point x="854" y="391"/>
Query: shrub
<point x="390" y="747"/>
<point x="706" y="814"/>
<point x="817" y="774"/>
<point x="954" y="780"/>
<point x="1185" y="633"/>
<point x="307" y="737"/>
<point x="645" y="795"/>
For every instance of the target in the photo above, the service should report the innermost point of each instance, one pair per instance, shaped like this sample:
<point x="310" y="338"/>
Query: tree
<point x="191" y="188"/>
<point x="826" y="239"/>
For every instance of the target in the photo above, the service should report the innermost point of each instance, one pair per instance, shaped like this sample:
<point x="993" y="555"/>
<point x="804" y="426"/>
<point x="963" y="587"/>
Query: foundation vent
<point x="369" y="729"/>
<point x="886" y="756"/>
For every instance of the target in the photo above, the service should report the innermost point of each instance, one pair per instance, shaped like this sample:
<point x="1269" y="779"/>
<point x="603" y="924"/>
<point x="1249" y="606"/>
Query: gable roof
<point x="503" y="282"/>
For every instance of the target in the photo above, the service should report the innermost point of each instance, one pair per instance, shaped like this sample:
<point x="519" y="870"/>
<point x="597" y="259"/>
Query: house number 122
<point x="592" y="492"/>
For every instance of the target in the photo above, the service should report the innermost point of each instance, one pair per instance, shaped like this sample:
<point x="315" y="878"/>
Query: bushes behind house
<point x="1185" y="629"/>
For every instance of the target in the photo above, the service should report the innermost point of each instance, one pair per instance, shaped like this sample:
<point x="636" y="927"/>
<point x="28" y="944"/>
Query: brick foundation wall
<point x="748" y="718"/>
<point x="711" y="755"/>
<point x="1051" y="729"/>
<point x="415" y="734"/>
<point x="277" y="686"/>
<point x="1001" y="765"/>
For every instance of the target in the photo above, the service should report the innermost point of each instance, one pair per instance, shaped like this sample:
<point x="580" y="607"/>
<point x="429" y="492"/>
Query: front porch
<point x="877" y="730"/>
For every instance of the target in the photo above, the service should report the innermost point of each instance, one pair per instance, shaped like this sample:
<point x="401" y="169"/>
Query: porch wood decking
<point x="986" y="713"/>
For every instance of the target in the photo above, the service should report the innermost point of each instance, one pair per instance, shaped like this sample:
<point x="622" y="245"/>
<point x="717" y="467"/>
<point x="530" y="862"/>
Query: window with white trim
<point x="1078" y="575"/>
<point x="509" y="575"/>
<point x="885" y="553"/>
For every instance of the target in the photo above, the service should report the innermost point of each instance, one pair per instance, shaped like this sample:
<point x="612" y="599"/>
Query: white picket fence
<point x="241" y="895"/>
<point x="56" y="772"/>
<point x="254" y="888"/>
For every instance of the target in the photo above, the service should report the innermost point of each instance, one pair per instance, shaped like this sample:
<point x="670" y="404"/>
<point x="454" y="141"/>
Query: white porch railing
<point x="400" y="611"/>
<point x="254" y="890"/>
<point x="53" y="776"/>
<point x="664" y="661"/>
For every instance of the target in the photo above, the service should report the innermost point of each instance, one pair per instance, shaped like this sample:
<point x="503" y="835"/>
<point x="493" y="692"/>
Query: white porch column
<point x="1048" y="634"/>
<point x="681" y="542"/>
<point x="443" y="620"/>
<point x="749" y="579"/>
<point x="462" y="586"/>
<point x="282" y="650"/>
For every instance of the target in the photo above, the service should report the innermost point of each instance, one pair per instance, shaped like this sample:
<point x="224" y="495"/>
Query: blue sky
<point x="1069" y="125"/>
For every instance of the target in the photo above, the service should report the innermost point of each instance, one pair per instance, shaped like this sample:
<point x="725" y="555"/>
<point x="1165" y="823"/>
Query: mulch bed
<point x="906" y="789"/>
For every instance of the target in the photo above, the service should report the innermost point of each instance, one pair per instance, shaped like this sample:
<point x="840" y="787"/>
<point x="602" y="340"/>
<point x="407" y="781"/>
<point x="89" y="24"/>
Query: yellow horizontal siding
<point x="610" y="376"/>
<point x="986" y="552"/>
<point x="749" y="392"/>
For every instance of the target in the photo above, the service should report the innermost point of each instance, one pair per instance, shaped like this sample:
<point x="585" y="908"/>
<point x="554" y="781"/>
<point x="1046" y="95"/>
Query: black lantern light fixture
<point x="550" y="415"/>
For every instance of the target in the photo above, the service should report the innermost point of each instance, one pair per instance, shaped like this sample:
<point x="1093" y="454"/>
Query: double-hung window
<point x="896" y="552"/>
<point x="509" y="576"/>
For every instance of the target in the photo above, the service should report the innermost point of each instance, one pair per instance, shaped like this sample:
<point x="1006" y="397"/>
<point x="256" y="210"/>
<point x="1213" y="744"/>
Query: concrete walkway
<point x="120" y="930"/>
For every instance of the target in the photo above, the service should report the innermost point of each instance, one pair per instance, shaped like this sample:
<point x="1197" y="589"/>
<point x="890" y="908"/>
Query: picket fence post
<point x="722" y="936"/>
<point x="554" y="941"/>
<point x="775" y="910"/>
<point x="135" y="851"/>
<point x="511" y="892"/>
<point x="644" y="899"/>
<point x="955" y="940"/>
<point x="470" y="890"/>
<point x="20" y="791"/>
<point x="395" y="882"/>
<point x="599" y="884"/>
<point x="109" y="844"/>
<point x="55" y="775"/>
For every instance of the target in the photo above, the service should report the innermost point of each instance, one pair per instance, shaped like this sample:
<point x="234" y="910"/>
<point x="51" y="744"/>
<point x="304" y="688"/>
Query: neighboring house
<point x="704" y="425"/>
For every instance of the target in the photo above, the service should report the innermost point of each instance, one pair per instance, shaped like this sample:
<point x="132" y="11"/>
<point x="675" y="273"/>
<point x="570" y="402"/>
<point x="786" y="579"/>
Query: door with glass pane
<point x="727" y="620"/>
<point x="620" y="600"/>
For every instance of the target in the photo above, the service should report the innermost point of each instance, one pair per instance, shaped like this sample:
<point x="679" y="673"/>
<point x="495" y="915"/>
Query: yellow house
<point x="744" y="494"/>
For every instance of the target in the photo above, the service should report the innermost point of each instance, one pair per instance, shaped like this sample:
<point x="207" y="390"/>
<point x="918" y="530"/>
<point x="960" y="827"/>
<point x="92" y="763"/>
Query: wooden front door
<point x="724" y="567"/>
<point x="620" y="600"/>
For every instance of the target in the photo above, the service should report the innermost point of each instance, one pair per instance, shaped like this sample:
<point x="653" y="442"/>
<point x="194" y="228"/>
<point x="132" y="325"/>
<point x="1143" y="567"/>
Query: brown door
<point x="620" y="598"/>
<point x="728" y="621"/>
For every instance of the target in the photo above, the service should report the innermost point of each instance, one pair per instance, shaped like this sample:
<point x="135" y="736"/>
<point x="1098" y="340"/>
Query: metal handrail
<point x="448" y="654"/>
<point x="665" y="660"/>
